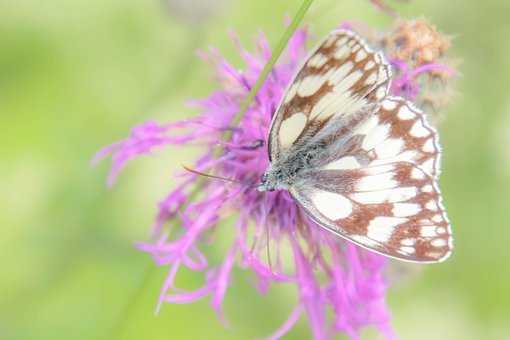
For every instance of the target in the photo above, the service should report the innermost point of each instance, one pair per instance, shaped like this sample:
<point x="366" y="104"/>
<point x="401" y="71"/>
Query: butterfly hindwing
<point x="396" y="132"/>
<point x="383" y="193"/>
<point x="399" y="132"/>
<point x="386" y="208"/>
<point x="340" y="78"/>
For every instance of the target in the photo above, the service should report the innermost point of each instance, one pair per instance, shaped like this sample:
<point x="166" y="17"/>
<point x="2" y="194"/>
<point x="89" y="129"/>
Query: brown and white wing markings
<point x="385" y="208"/>
<point x="375" y="182"/>
<point x="382" y="192"/>
<point x="396" y="132"/>
<point x="340" y="78"/>
<point x="399" y="132"/>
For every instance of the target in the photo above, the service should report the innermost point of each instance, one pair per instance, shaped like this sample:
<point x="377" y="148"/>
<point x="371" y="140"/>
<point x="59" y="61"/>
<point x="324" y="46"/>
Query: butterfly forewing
<point x="339" y="79"/>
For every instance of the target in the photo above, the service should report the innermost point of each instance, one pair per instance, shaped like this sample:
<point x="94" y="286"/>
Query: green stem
<point x="282" y="43"/>
<point x="122" y="321"/>
<point x="296" y="20"/>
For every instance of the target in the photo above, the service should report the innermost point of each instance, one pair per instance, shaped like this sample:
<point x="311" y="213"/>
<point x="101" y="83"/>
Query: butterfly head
<point x="273" y="179"/>
<point x="264" y="184"/>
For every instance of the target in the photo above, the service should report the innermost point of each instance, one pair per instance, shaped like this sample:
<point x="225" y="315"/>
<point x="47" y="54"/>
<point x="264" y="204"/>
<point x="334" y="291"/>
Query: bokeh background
<point x="75" y="75"/>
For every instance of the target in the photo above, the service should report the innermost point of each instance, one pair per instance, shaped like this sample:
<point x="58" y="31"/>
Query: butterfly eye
<point x="266" y="183"/>
<point x="263" y="185"/>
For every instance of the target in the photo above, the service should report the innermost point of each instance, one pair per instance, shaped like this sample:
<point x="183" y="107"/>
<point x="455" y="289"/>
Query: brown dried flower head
<point x="419" y="54"/>
<point x="422" y="69"/>
<point x="416" y="41"/>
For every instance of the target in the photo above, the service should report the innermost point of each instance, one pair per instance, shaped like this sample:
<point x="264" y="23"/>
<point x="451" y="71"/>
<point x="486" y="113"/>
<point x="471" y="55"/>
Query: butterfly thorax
<point x="291" y="167"/>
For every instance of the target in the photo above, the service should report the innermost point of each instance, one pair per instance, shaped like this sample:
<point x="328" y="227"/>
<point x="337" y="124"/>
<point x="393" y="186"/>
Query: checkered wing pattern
<point x="368" y="163"/>
<point x="340" y="79"/>
<point x="383" y="194"/>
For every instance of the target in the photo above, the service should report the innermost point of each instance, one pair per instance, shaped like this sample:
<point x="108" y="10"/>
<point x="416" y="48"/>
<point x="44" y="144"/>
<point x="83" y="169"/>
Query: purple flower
<point x="406" y="82"/>
<point x="272" y="237"/>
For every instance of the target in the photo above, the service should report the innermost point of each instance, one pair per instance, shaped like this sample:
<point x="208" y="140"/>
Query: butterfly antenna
<point x="196" y="172"/>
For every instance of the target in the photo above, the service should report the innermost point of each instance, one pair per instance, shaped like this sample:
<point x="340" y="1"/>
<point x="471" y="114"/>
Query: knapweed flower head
<point x="418" y="53"/>
<point x="341" y="288"/>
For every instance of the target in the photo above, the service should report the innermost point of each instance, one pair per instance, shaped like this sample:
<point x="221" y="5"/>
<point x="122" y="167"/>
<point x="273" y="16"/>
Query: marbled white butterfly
<point x="361" y="163"/>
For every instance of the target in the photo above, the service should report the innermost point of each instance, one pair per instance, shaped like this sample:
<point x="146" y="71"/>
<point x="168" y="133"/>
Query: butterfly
<point x="360" y="163"/>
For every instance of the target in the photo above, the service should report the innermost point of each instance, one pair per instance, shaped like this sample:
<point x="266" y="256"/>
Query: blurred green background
<point x="76" y="75"/>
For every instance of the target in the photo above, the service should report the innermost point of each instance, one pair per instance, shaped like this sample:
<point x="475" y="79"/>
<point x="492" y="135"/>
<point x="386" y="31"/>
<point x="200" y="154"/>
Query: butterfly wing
<point x="338" y="81"/>
<point x="383" y="193"/>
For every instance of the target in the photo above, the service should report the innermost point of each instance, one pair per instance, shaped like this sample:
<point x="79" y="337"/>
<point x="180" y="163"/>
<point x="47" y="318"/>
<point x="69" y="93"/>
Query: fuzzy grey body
<point x="326" y="143"/>
<point x="292" y="167"/>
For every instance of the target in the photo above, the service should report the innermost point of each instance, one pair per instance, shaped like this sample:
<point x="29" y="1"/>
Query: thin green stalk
<point x="277" y="51"/>
<point x="120" y="323"/>
<point x="296" y="20"/>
